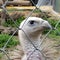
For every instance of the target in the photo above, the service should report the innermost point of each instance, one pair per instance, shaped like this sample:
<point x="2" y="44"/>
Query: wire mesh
<point x="36" y="7"/>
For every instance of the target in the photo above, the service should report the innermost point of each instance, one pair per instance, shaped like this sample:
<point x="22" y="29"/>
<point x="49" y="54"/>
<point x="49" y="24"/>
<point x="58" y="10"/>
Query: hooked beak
<point x="46" y="25"/>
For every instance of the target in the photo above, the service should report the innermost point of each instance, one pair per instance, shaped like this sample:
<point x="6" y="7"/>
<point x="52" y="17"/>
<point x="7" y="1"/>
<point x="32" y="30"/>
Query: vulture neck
<point x="26" y="42"/>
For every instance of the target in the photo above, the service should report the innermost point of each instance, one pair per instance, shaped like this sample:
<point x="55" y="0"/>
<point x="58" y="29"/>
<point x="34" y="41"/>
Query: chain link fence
<point x="3" y="49"/>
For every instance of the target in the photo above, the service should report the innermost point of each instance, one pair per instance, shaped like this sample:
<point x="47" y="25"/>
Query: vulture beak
<point x="46" y="25"/>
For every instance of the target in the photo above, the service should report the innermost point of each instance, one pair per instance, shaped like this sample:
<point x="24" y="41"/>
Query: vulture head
<point x="34" y="25"/>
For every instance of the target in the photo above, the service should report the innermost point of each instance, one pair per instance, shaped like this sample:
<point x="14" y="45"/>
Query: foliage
<point x="55" y="38"/>
<point x="4" y="38"/>
<point x="55" y="34"/>
<point x="37" y="11"/>
<point x="11" y="23"/>
<point x="1" y="55"/>
<point x="53" y="24"/>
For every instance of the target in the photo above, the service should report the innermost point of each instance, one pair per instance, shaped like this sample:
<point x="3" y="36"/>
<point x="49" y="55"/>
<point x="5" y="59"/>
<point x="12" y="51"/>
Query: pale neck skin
<point x="26" y="44"/>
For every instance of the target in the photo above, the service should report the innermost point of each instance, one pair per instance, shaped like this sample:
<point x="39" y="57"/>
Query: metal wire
<point x="2" y="50"/>
<point x="35" y="48"/>
<point x="9" y="16"/>
<point x="4" y="3"/>
<point x="9" y="39"/>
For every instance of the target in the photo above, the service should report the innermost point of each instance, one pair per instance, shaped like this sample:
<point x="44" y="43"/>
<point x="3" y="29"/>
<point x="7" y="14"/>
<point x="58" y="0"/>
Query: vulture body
<point x="30" y="31"/>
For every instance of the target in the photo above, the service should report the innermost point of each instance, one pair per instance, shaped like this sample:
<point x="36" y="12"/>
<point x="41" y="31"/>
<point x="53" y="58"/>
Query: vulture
<point x="29" y="37"/>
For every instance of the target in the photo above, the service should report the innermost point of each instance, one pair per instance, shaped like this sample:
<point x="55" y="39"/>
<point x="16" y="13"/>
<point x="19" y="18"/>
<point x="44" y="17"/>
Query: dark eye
<point x="32" y="22"/>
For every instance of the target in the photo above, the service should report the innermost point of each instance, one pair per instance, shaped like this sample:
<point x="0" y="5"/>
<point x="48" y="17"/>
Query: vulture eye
<point x="32" y="22"/>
